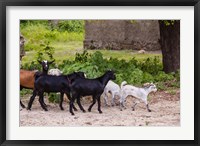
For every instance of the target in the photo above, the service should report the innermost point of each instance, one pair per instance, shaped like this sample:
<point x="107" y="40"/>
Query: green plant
<point x="152" y="66"/>
<point x="45" y="52"/>
<point x="25" y="92"/>
<point x="71" y="25"/>
<point x="82" y="57"/>
<point x="54" y="97"/>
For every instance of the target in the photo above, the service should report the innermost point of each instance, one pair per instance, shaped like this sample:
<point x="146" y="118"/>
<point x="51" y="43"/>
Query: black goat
<point x="84" y="87"/>
<point x="50" y="83"/>
<point x="27" y="78"/>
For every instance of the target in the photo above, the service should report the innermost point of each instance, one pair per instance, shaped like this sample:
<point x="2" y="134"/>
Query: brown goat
<point x="27" y="79"/>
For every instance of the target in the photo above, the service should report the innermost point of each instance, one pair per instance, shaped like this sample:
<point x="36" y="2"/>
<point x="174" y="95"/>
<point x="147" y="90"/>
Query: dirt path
<point x="165" y="112"/>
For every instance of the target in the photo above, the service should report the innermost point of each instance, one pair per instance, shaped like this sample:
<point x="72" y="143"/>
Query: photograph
<point x="99" y="73"/>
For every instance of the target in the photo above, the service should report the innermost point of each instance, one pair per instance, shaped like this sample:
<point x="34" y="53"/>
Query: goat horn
<point x="39" y="61"/>
<point x="51" y="61"/>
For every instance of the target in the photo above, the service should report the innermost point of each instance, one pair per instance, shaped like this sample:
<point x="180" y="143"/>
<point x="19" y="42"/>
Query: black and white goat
<point x="85" y="87"/>
<point x="139" y="93"/>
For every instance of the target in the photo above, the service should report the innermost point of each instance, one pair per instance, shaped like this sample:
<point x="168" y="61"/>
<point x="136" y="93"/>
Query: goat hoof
<point x="84" y="111"/>
<point x="75" y="109"/>
<point x="72" y="114"/>
<point x="28" y="109"/>
<point x="23" y="106"/>
<point x="62" y="109"/>
<point x="149" y="110"/>
<point x="100" y="112"/>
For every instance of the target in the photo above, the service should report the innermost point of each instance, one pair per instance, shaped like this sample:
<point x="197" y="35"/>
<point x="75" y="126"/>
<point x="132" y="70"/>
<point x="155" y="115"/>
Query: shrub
<point x="71" y="25"/>
<point x="133" y="71"/>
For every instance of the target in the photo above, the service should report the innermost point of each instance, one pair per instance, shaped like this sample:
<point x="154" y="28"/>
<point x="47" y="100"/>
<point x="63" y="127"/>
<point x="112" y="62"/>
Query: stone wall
<point x="122" y="34"/>
<point x="22" y="41"/>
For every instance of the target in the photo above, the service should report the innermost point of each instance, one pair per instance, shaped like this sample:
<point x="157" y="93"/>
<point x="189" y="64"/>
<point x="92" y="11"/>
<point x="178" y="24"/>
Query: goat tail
<point x="123" y="84"/>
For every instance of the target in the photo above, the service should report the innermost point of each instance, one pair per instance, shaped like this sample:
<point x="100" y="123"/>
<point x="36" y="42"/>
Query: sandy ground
<point x="165" y="112"/>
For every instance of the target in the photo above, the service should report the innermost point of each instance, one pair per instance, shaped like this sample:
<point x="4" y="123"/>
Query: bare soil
<point x="165" y="108"/>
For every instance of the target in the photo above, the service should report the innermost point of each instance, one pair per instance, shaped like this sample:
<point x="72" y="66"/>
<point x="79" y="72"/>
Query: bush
<point x="133" y="71"/>
<point x="71" y="25"/>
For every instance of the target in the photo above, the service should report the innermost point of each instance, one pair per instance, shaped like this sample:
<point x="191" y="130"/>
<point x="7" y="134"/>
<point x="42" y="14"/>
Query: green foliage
<point x="152" y="66"/>
<point x="162" y="76"/>
<point x="71" y="25"/>
<point x="54" y="97"/>
<point x="82" y="57"/>
<point x="168" y="22"/>
<point x="33" y="65"/>
<point x="37" y="32"/>
<point x="25" y="92"/>
<point x="45" y="52"/>
<point x="133" y="71"/>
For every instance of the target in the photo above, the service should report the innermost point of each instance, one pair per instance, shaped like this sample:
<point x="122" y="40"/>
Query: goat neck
<point x="71" y="77"/>
<point x="147" y="90"/>
<point x="104" y="79"/>
<point x="44" y="71"/>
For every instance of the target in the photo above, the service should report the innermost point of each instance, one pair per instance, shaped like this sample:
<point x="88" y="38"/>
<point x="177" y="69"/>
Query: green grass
<point x="126" y="54"/>
<point x="67" y="51"/>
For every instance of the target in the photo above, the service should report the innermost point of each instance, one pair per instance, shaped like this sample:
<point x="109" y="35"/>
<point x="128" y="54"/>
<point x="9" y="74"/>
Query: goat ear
<point x="39" y="61"/>
<point x="51" y="61"/>
<point x="146" y="84"/>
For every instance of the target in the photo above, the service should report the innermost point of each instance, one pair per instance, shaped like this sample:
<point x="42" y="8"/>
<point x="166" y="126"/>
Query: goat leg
<point x="133" y="107"/>
<point x="71" y="105"/>
<point x="31" y="100"/>
<point x="41" y="102"/>
<point x="22" y="105"/>
<point x="113" y="98"/>
<point x="99" y="105"/>
<point x="61" y="101"/>
<point x="120" y="106"/>
<point x="105" y="99"/>
<point x="148" y="108"/>
<point x="94" y="101"/>
<point x="79" y="104"/>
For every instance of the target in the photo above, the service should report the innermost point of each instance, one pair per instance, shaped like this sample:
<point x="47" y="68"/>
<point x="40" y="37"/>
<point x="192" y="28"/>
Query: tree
<point x="170" y="44"/>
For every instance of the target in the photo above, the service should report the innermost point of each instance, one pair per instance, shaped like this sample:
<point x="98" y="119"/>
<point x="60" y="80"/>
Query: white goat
<point x="113" y="89"/>
<point x="139" y="93"/>
<point x="55" y="72"/>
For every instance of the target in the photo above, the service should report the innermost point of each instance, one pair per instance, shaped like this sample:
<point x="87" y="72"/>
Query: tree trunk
<point x="170" y="45"/>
